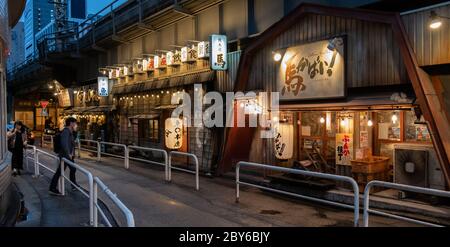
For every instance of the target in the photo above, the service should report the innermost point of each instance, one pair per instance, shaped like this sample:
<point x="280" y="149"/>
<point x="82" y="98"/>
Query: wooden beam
<point x="119" y="39"/>
<point x="178" y="9"/>
<point x="144" y="26"/>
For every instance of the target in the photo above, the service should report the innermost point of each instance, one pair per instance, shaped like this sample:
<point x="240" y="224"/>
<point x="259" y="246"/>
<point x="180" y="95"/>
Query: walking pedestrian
<point x="65" y="147"/>
<point x="17" y="141"/>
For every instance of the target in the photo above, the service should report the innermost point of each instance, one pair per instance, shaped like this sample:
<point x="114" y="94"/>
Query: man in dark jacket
<point x="67" y="150"/>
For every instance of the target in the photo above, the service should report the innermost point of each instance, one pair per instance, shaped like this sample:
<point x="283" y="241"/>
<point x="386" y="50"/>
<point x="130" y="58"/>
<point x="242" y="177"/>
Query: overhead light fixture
<point x="277" y="56"/>
<point x="333" y="43"/>
<point x="322" y="120"/>
<point x="436" y="20"/>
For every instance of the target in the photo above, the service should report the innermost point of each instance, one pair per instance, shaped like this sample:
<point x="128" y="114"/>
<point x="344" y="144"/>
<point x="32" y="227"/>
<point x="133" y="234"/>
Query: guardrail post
<point x="169" y="168"/>
<point x="79" y="149"/>
<point x="99" y="152"/>
<point x="91" y="200"/>
<point x="197" y="173"/>
<point x="36" y="162"/>
<point x="62" y="189"/>
<point x="355" y="202"/>
<point x="166" y="167"/>
<point x="237" y="182"/>
<point x="127" y="157"/>
<point x="95" y="201"/>
<point x="366" y="206"/>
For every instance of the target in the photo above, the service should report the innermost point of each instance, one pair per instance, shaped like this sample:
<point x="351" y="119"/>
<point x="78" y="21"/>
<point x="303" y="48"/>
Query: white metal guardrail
<point x="92" y="184"/>
<point x="403" y="187"/>
<point x="90" y="178"/>
<point x="169" y="168"/>
<point x="167" y="158"/>
<point x="127" y="213"/>
<point x="99" y="150"/>
<point x="98" y="147"/>
<point x="164" y="152"/>
<point x="349" y="180"/>
<point x="126" y="159"/>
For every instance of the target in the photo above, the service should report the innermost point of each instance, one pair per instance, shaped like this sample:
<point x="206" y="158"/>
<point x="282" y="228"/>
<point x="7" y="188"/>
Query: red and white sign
<point x="44" y="104"/>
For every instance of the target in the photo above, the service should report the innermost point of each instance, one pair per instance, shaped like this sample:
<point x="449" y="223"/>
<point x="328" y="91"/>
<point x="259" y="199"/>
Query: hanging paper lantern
<point x="284" y="141"/>
<point x="174" y="133"/>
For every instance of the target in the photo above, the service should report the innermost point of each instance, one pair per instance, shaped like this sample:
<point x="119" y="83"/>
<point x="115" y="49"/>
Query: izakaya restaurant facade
<point x="352" y="100"/>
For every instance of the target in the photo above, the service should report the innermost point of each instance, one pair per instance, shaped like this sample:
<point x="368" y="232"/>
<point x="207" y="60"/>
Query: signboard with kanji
<point x="65" y="98"/>
<point x="173" y="133"/>
<point x="344" y="148"/>
<point x="103" y="87"/>
<point x="203" y="49"/>
<point x="312" y="71"/>
<point x="284" y="141"/>
<point x="218" y="57"/>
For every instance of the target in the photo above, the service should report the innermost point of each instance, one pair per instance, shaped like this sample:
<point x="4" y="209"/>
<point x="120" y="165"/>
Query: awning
<point x="146" y="116"/>
<point x="360" y="102"/>
<point x="165" y="82"/>
<point x="164" y="107"/>
<point x="90" y="109"/>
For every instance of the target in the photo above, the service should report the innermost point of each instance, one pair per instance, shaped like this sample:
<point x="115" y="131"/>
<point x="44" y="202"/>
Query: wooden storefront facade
<point x="379" y="66"/>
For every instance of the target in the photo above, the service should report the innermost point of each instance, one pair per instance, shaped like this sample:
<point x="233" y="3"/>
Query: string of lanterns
<point x="158" y="95"/>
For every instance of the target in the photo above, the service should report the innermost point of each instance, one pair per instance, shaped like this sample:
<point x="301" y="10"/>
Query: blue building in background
<point x="40" y="16"/>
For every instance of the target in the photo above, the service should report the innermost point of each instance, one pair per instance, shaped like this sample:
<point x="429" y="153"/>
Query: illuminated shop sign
<point x="188" y="54"/>
<point x="137" y="66"/>
<point x="203" y="49"/>
<point x="284" y="141"/>
<point x="173" y="58"/>
<point x="150" y="64"/>
<point x="312" y="71"/>
<point x="218" y="57"/>
<point x="103" y="89"/>
<point x="174" y="133"/>
<point x="160" y="62"/>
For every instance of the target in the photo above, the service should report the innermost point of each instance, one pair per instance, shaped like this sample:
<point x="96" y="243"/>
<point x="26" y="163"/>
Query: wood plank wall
<point x="431" y="46"/>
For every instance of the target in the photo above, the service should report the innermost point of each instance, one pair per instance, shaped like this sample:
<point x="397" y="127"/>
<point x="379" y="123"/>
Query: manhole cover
<point x="271" y="212"/>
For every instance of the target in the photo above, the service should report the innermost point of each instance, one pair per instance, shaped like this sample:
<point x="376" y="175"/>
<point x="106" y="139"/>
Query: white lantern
<point x="203" y="49"/>
<point x="169" y="58"/>
<point x="284" y="141"/>
<point x="188" y="54"/>
<point x="174" y="133"/>
<point x="144" y="64"/>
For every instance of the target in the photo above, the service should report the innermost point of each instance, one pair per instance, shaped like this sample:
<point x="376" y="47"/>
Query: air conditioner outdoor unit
<point x="417" y="165"/>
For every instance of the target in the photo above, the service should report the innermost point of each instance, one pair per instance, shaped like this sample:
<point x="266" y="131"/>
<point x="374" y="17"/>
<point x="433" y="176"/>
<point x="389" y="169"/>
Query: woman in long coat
<point x="17" y="140"/>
